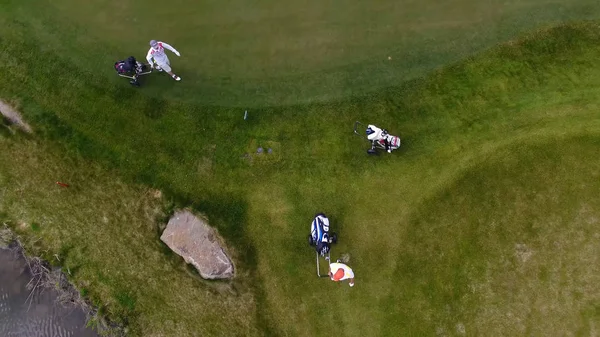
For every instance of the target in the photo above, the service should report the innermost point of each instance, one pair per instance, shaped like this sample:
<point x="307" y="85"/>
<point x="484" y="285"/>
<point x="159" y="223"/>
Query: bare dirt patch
<point x="522" y="252"/>
<point x="14" y="117"/>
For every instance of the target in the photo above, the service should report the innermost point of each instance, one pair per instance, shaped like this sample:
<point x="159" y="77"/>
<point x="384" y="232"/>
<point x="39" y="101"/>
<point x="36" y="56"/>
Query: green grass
<point x="533" y="215"/>
<point x="485" y="221"/>
<point x="105" y="234"/>
<point x="266" y="53"/>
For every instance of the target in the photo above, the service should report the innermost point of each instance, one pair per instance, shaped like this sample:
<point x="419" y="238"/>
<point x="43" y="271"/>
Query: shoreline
<point x="45" y="278"/>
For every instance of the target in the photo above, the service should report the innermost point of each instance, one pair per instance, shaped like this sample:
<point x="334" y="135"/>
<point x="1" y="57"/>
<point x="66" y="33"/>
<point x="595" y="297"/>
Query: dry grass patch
<point x="548" y="288"/>
<point x="105" y="232"/>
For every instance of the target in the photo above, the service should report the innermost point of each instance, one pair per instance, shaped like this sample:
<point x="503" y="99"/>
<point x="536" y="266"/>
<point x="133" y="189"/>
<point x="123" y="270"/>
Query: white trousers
<point x="164" y="63"/>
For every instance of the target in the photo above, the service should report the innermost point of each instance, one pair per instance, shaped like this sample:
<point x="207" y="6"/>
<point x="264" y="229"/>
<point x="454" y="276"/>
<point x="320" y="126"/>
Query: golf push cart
<point x="321" y="239"/>
<point x="379" y="138"/>
<point x="132" y="69"/>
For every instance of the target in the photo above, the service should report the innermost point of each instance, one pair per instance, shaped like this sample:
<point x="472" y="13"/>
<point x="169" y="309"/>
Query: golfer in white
<point x="339" y="272"/>
<point x="157" y="55"/>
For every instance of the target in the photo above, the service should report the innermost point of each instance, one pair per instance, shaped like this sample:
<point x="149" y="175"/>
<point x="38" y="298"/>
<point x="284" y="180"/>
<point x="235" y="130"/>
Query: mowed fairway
<point x="485" y="222"/>
<point x="266" y="53"/>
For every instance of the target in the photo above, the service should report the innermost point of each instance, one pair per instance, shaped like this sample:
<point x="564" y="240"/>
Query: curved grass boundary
<point x="522" y="259"/>
<point x="542" y="85"/>
<point x="384" y="222"/>
<point x="265" y="54"/>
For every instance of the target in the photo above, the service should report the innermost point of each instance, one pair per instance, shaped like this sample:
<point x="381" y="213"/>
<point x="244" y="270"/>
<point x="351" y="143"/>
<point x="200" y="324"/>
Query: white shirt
<point x="159" y="54"/>
<point x="348" y="273"/>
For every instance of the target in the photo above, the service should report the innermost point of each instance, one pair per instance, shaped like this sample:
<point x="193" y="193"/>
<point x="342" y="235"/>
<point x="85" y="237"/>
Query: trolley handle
<point x="356" y="125"/>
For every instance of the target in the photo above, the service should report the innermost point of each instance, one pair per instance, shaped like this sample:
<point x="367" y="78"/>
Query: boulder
<point x="199" y="244"/>
<point x="13" y="116"/>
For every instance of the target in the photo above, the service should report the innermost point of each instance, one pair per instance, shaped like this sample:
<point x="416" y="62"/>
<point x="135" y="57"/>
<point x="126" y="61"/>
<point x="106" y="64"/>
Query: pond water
<point x="39" y="316"/>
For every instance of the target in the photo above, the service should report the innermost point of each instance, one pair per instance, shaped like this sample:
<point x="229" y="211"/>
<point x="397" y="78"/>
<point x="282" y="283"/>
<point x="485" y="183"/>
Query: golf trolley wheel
<point x="333" y="238"/>
<point x="372" y="151"/>
<point x="310" y="240"/>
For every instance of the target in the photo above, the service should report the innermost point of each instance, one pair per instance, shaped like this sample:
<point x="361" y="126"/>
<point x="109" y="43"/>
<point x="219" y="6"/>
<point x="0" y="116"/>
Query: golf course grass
<point x="484" y="222"/>
<point x="270" y="53"/>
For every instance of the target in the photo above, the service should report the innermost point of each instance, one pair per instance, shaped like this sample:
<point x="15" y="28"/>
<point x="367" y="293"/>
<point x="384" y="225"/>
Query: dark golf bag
<point x="319" y="236"/>
<point x="131" y="69"/>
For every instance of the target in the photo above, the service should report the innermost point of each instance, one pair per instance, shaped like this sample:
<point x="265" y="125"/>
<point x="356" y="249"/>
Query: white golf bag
<point x="380" y="138"/>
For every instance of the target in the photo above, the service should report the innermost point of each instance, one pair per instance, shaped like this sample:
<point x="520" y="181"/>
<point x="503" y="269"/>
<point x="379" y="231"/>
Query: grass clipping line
<point x="45" y="277"/>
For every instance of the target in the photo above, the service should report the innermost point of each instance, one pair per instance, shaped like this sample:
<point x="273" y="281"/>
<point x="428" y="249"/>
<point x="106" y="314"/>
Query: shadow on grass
<point x="155" y="108"/>
<point x="228" y="214"/>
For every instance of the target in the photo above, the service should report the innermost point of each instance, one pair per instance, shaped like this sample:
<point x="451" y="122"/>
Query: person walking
<point x="157" y="55"/>
<point x="339" y="272"/>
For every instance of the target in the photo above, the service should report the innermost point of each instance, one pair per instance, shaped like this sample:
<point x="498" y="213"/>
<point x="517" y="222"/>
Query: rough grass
<point x="491" y="200"/>
<point x="105" y="235"/>
<point x="523" y="255"/>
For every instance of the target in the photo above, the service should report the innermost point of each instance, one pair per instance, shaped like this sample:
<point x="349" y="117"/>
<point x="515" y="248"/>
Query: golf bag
<point x="131" y="69"/>
<point x="321" y="238"/>
<point x="319" y="235"/>
<point x="379" y="138"/>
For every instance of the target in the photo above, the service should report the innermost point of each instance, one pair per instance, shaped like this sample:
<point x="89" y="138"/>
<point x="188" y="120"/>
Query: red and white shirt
<point x="340" y="272"/>
<point x="159" y="54"/>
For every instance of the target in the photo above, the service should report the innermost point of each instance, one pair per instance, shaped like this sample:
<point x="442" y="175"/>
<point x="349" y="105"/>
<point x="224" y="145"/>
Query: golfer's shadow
<point x="155" y="108"/>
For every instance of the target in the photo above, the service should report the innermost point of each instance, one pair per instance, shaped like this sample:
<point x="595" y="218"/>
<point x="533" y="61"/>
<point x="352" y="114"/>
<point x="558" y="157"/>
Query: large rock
<point x="198" y="244"/>
<point x="13" y="116"/>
